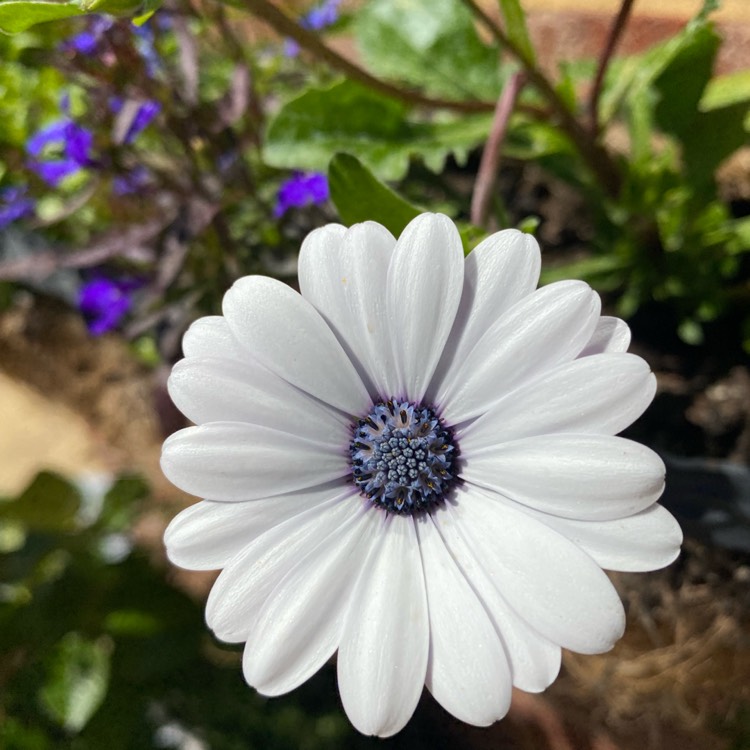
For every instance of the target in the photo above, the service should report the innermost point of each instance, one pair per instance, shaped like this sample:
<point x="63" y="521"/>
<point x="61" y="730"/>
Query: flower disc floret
<point x="402" y="457"/>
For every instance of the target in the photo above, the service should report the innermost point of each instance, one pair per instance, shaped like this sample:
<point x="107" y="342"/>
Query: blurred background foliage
<point x="152" y="153"/>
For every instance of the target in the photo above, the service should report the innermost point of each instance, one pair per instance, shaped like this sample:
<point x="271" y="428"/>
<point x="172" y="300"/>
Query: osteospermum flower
<point x="413" y="463"/>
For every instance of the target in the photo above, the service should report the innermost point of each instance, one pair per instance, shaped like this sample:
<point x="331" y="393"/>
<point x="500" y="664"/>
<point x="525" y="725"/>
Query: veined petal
<point x="541" y="331"/>
<point x="534" y="660"/>
<point x="287" y="334"/>
<point x="498" y="272"/>
<point x="238" y="461"/>
<point x="252" y="576"/>
<point x="208" y="534"/>
<point x="601" y="394"/>
<point x="610" y="335"/>
<point x="206" y="389"/>
<point x="555" y="586"/>
<point x="382" y="658"/>
<point x="211" y="337"/>
<point x="467" y="672"/>
<point x="648" y="540"/>
<point x="343" y="274"/>
<point x="295" y="634"/>
<point x="424" y="286"/>
<point x="588" y="477"/>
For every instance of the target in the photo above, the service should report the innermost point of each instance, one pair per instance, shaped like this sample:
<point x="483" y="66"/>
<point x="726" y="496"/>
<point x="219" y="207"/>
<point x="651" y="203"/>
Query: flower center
<point x="402" y="457"/>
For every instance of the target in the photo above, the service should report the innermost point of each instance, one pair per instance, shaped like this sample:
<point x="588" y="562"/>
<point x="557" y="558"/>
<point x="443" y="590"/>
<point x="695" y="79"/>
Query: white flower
<point x="413" y="463"/>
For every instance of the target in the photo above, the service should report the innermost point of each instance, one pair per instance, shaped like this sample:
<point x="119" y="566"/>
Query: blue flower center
<point x="402" y="457"/>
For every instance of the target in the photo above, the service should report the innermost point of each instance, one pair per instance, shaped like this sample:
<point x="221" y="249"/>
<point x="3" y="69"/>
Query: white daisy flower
<point x="412" y="463"/>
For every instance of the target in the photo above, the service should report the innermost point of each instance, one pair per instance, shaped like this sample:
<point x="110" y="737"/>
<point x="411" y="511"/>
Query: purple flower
<point x="72" y="145"/>
<point x="14" y="204"/>
<point x="141" y="118"/>
<point x="316" y="19"/>
<point x="104" y="302"/>
<point x="301" y="189"/>
<point x="88" y="41"/>
<point x="145" y="43"/>
<point x="132" y="181"/>
<point x="325" y="14"/>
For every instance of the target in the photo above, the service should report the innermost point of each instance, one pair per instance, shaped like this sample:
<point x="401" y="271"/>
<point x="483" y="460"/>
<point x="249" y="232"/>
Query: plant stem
<point x="615" y="33"/>
<point x="286" y="26"/>
<point x="599" y="160"/>
<point x="488" y="166"/>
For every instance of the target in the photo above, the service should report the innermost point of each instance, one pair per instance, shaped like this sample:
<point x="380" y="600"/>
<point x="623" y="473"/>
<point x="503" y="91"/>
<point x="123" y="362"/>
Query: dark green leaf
<point x="347" y="117"/>
<point x="360" y="196"/>
<point x="77" y="680"/>
<point x="19" y="15"/>
<point x="49" y="504"/>
<point x="429" y="44"/>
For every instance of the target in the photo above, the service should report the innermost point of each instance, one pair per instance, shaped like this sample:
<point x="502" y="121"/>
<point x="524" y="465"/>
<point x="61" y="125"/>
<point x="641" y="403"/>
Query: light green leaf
<point x="77" y="680"/>
<point x="726" y="91"/>
<point x="19" y="15"/>
<point x="359" y="196"/>
<point x="347" y="117"/>
<point x="428" y="44"/>
<point x="515" y="27"/>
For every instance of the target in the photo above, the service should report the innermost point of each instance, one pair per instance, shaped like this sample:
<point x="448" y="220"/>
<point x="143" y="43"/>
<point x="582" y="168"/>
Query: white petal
<point x="208" y="534"/>
<point x="220" y="390"/>
<point x="425" y="279"/>
<point x="211" y="337"/>
<point x="344" y="276"/>
<point x="602" y="394"/>
<point x="534" y="660"/>
<point x="252" y="576"/>
<point x="383" y="654"/>
<point x="498" y="272"/>
<point x="467" y="672"/>
<point x="299" y="628"/>
<point x="610" y="335"/>
<point x="238" y="461"/>
<point x="543" y="330"/>
<point x="556" y="587"/>
<point x="648" y="540"/>
<point x="287" y="335"/>
<point x="588" y="477"/>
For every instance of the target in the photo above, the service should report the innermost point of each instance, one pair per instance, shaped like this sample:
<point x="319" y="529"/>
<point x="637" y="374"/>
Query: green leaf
<point x="429" y="44"/>
<point x="634" y="74"/>
<point x="515" y="27"/>
<point x="48" y="505"/>
<point x="726" y="91"/>
<point x="77" y="680"/>
<point x="346" y="117"/>
<point x="681" y="83"/>
<point x="359" y="196"/>
<point x="19" y="15"/>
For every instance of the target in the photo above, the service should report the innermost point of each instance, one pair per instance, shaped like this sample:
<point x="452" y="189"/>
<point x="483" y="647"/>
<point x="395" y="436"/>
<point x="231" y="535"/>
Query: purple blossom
<point x="71" y="145"/>
<point x="131" y="182"/>
<point x="143" y="116"/>
<point x="105" y="302"/>
<point x="301" y="189"/>
<point x="14" y="204"/>
<point x="316" y="19"/>
<point x="88" y="41"/>
<point x="145" y="43"/>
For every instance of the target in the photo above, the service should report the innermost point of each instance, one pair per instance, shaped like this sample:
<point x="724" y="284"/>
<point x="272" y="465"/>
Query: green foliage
<point x="515" y="27"/>
<point x="19" y="15"/>
<point x="428" y="44"/>
<point x="77" y="679"/>
<point x="49" y="504"/>
<point x="381" y="132"/>
<point x="359" y="196"/>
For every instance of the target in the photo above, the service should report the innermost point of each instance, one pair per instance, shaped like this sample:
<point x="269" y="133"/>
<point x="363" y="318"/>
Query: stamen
<point x="402" y="457"/>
